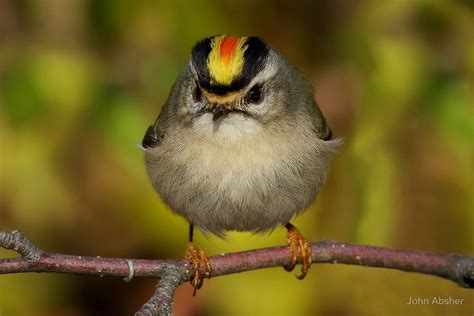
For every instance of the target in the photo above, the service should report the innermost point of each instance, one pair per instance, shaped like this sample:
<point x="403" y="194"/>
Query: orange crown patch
<point x="226" y="59"/>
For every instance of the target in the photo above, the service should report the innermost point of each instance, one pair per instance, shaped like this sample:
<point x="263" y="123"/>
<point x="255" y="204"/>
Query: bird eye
<point x="255" y="94"/>
<point x="197" y="94"/>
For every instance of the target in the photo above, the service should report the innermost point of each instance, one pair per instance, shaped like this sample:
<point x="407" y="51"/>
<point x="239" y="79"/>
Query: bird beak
<point x="221" y="105"/>
<point x="220" y="110"/>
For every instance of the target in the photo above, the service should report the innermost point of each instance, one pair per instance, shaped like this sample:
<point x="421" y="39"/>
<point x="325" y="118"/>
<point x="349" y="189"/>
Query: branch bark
<point x="171" y="273"/>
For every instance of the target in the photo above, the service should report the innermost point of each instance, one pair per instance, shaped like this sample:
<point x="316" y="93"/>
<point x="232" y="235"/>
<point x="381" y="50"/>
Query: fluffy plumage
<point x="257" y="165"/>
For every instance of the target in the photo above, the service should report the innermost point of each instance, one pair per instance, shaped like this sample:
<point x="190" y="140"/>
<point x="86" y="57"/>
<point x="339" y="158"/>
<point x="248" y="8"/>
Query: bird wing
<point x="154" y="134"/>
<point x="324" y="130"/>
<point x="320" y="124"/>
<point x="151" y="138"/>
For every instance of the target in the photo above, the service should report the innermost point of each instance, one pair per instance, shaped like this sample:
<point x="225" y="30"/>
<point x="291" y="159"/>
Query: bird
<point x="239" y="145"/>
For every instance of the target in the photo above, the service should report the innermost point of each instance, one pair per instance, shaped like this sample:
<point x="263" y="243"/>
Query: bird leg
<point x="300" y="249"/>
<point x="196" y="257"/>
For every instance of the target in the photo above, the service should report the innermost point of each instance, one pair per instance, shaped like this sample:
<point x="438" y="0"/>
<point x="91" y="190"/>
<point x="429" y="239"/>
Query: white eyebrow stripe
<point x="264" y="75"/>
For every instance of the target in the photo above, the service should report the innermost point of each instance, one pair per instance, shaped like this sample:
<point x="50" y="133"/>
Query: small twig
<point x="18" y="242"/>
<point x="161" y="303"/>
<point x="457" y="268"/>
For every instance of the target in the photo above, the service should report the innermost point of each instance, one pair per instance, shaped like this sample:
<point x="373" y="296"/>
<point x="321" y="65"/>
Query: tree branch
<point x="457" y="268"/>
<point x="161" y="303"/>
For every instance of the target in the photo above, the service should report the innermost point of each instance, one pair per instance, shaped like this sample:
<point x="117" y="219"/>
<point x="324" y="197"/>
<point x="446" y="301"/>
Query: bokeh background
<point x="80" y="81"/>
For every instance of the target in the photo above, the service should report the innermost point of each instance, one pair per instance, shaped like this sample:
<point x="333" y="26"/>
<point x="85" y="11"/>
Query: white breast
<point x="234" y="175"/>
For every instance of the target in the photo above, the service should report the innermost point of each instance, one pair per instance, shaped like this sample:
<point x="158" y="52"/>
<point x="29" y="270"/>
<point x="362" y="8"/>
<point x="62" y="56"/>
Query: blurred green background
<point x="80" y="81"/>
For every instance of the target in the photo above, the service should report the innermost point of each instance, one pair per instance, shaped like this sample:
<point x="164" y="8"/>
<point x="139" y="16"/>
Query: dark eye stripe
<point x="197" y="94"/>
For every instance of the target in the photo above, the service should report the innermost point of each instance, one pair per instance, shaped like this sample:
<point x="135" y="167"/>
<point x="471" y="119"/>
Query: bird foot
<point x="300" y="249"/>
<point x="196" y="258"/>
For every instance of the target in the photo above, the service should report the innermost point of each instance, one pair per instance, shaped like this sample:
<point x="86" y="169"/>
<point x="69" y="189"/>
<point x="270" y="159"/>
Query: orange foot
<point x="196" y="257"/>
<point x="299" y="247"/>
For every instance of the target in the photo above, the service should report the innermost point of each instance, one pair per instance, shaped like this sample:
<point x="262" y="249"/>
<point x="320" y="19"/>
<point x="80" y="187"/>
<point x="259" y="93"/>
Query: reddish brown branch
<point x="457" y="268"/>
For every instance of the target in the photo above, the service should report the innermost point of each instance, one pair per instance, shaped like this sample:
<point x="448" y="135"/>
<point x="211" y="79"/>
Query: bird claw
<point x="196" y="257"/>
<point x="300" y="249"/>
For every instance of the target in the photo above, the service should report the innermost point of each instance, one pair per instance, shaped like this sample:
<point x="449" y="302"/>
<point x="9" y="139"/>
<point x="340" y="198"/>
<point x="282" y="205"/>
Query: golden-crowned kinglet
<point x="240" y="144"/>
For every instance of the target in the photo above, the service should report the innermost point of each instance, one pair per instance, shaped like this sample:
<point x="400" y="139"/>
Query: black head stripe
<point x="255" y="55"/>
<point x="199" y="55"/>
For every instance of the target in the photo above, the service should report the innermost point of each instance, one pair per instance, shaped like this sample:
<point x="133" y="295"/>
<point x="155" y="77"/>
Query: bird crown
<point x="226" y="63"/>
<point x="226" y="58"/>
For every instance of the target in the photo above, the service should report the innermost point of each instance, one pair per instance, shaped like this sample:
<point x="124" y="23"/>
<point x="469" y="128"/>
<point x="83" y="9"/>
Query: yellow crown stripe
<point x="226" y="59"/>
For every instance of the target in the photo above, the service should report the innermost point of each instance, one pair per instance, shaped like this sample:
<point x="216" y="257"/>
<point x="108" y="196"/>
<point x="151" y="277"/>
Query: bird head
<point x="232" y="75"/>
